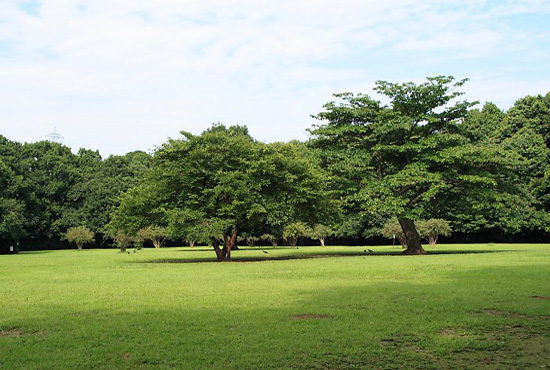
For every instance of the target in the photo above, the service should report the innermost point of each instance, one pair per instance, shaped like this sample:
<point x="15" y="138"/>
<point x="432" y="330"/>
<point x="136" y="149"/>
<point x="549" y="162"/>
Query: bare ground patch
<point x="18" y="332"/>
<point x="11" y="333"/>
<point x="513" y="315"/>
<point x="309" y="316"/>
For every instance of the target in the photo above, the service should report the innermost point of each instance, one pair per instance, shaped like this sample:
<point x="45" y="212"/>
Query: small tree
<point x="79" y="235"/>
<point x="321" y="232"/>
<point x="295" y="230"/>
<point x="139" y="241"/>
<point x="273" y="239"/>
<point x="156" y="234"/>
<point x="189" y="240"/>
<point x="392" y="229"/>
<point x="250" y="240"/>
<point x="433" y="228"/>
<point x="123" y="240"/>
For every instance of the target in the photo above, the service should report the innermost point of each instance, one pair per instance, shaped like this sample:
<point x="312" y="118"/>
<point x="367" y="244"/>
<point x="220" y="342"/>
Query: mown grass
<point x="105" y="309"/>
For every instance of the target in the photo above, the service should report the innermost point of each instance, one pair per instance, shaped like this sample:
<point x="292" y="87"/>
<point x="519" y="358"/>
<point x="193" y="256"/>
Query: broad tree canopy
<point x="406" y="155"/>
<point x="222" y="182"/>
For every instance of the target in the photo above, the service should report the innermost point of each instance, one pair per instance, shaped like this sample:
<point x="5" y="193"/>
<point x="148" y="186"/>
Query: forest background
<point x="46" y="189"/>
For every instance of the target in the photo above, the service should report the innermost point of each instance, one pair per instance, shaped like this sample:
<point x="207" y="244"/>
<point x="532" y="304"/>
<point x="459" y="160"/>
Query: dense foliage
<point x="422" y="153"/>
<point x="223" y="183"/>
<point x="45" y="190"/>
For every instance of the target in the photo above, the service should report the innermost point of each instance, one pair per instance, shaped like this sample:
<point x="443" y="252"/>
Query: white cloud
<point x="121" y="75"/>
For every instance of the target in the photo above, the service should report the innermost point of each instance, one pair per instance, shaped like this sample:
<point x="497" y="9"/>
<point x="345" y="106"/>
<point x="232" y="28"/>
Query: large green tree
<point x="408" y="154"/>
<point x="223" y="182"/>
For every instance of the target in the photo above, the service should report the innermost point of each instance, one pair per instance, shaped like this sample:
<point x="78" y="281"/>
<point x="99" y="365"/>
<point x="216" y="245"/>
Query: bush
<point x="433" y="228"/>
<point x="321" y="232"/>
<point x="123" y="240"/>
<point x="295" y="230"/>
<point x="79" y="235"/>
<point x="156" y="234"/>
<point x="392" y="229"/>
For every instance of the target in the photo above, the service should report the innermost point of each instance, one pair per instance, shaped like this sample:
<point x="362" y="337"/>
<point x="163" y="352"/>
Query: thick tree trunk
<point x="414" y="246"/>
<point x="219" y="254"/>
<point x="224" y="254"/>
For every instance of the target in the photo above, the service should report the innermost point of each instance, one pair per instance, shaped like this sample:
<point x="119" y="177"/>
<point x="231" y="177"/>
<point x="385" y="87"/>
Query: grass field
<point x="485" y="306"/>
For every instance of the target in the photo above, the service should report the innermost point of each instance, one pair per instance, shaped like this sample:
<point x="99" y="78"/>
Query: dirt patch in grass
<point x="309" y="316"/>
<point x="11" y="333"/>
<point x="516" y="350"/>
<point x="514" y="315"/>
<point x="455" y="333"/>
<point x="400" y="339"/>
<point x="18" y="332"/>
<point x="506" y="314"/>
<point x="541" y="297"/>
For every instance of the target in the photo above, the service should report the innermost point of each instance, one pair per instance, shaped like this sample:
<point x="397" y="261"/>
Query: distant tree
<point x="321" y="232"/>
<point x="122" y="240"/>
<point x="392" y="230"/>
<point x="250" y="240"/>
<point x="532" y="112"/>
<point x="433" y="228"/>
<point x="79" y="235"/>
<point x="273" y="239"/>
<point x="292" y="232"/>
<point x="16" y="220"/>
<point x="156" y="234"/>
<point x="484" y="125"/>
<point x="12" y="219"/>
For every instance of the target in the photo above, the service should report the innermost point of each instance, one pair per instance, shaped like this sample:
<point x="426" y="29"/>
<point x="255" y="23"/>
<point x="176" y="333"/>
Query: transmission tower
<point x="55" y="136"/>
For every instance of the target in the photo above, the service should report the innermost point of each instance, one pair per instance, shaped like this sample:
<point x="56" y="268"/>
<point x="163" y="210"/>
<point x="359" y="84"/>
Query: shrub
<point x="392" y="229"/>
<point x="433" y="228"/>
<point x="79" y="235"/>
<point x="292" y="232"/>
<point x="321" y="232"/>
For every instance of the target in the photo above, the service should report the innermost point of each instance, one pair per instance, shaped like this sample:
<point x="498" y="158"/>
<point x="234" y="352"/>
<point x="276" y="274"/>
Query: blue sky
<point x="123" y="75"/>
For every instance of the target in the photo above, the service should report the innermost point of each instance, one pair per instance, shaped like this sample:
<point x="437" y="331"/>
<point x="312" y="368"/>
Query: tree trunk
<point x="433" y="240"/>
<point x="274" y="243"/>
<point x="228" y="245"/>
<point x="192" y="243"/>
<point x="414" y="246"/>
<point x="293" y="242"/>
<point x="322" y="240"/>
<point x="219" y="254"/>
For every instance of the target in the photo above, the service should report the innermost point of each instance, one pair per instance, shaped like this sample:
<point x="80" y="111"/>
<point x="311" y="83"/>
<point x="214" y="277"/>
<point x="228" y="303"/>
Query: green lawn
<point x="105" y="309"/>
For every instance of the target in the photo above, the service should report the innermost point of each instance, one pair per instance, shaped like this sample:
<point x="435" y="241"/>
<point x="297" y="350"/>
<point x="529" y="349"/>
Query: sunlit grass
<point x="342" y="307"/>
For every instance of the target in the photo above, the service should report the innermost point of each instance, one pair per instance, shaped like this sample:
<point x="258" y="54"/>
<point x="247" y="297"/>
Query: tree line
<point x="422" y="153"/>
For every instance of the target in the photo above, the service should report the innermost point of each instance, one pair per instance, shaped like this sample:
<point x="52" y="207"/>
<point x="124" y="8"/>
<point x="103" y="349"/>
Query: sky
<point x="124" y="75"/>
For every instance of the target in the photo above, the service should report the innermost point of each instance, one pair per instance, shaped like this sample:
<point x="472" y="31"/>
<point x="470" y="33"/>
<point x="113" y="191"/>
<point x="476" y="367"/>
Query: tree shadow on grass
<point x="286" y="257"/>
